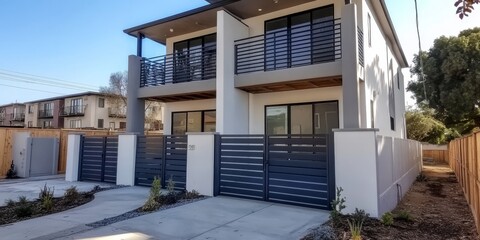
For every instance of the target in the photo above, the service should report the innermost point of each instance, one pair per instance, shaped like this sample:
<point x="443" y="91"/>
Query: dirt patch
<point x="436" y="207"/>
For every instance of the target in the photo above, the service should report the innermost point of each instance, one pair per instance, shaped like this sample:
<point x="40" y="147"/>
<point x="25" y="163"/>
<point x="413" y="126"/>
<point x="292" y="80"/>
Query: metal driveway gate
<point x="164" y="157"/>
<point x="98" y="158"/>
<point x="291" y="169"/>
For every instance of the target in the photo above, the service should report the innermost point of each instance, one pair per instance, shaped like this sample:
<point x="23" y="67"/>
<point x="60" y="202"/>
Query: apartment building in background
<point x="12" y="115"/>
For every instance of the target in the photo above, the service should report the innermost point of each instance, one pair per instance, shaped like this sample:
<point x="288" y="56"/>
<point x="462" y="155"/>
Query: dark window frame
<point x="101" y="100"/>
<point x="102" y="121"/>
<point x="186" y="124"/>
<point x="289" y="105"/>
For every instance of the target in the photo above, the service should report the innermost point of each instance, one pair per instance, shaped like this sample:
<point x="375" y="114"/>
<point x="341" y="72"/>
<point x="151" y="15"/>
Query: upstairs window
<point x="101" y="102"/>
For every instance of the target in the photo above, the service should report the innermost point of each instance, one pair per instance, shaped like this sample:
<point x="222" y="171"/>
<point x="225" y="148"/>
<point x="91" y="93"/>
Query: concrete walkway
<point x="30" y="187"/>
<point x="106" y="204"/>
<point x="215" y="218"/>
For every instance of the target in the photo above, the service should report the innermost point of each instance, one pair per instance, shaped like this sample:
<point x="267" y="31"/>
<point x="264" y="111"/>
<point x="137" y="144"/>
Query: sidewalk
<point x="106" y="204"/>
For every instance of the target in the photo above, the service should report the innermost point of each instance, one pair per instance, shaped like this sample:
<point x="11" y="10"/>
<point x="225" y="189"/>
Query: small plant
<point x="151" y="204"/>
<point x="23" y="208"/>
<point x="96" y="188"/>
<point x="47" y="203"/>
<point x="355" y="229"/>
<point x="191" y="195"/>
<point x="71" y="194"/>
<point x="171" y="185"/>
<point x="338" y="204"/>
<point x="10" y="203"/>
<point x="12" y="173"/>
<point x="359" y="215"/>
<point x="421" y="178"/>
<point x="155" y="189"/>
<point x="387" y="219"/>
<point x="46" y="192"/>
<point x="404" y="215"/>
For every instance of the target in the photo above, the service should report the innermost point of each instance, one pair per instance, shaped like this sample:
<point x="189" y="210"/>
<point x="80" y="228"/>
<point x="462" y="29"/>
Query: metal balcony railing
<point x="17" y="116"/>
<point x="76" y="110"/>
<point x="117" y="112"/>
<point x="48" y="113"/>
<point x="361" y="55"/>
<point x="192" y="65"/>
<point x="297" y="46"/>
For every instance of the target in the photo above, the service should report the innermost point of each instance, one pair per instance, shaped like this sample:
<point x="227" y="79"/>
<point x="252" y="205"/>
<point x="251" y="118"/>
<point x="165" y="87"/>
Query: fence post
<point x="200" y="163"/>
<point x="72" y="172"/>
<point x="163" y="174"/>
<point x="216" y="178"/>
<point x="127" y="153"/>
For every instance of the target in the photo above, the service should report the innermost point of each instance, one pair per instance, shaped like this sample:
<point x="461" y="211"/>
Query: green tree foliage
<point x="465" y="7"/>
<point x="422" y="126"/>
<point x="451" y="80"/>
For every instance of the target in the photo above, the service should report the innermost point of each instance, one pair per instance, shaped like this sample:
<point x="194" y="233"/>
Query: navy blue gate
<point x="164" y="157"/>
<point x="291" y="169"/>
<point x="98" y="159"/>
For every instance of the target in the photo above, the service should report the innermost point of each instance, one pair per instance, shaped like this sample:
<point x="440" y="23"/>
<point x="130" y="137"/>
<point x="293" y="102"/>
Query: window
<point x="123" y="125"/>
<point x="194" y="59"/>
<point x="300" y="39"/>
<point x="47" y="110"/>
<point x="100" y="123"/>
<point x="30" y="109"/>
<point x="76" y="106"/>
<point x="47" y="124"/>
<point x="29" y="124"/>
<point x="391" y="96"/>
<point x="304" y="118"/>
<point x="111" y="125"/>
<point x="372" y="114"/>
<point x="369" y="26"/>
<point x="101" y="102"/>
<point x="76" y="123"/>
<point x="195" y="121"/>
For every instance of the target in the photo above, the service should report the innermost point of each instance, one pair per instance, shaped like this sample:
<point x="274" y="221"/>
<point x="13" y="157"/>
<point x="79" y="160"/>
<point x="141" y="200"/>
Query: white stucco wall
<point x="33" y="116"/>
<point x="259" y="101"/>
<point x="196" y="105"/>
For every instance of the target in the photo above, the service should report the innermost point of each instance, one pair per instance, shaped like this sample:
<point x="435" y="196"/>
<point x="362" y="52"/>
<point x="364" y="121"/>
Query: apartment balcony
<point x="181" y="76"/>
<point x="117" y="112"/>
<point x="18" y="117"/>
<point x="45" y="113"/>
<point x="308" y="56"/>
<point x="73" y="111"/>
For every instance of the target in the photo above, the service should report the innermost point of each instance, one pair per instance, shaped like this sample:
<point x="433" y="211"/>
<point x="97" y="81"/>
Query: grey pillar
<point x="350" y="80"/>
<point x="135" y="106"/>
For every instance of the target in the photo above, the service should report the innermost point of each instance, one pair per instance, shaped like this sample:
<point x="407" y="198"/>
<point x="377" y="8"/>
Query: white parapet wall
<point x="73" y="157"/>
<point x="200" y="163"/>
<point x="374" y="171"/>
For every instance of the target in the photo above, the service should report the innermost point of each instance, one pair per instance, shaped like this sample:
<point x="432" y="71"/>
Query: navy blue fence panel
<point x="242" y="171"/>
<point x="98" y="159"/>
<point x="176" y="160"/>
<point x="149" y="160"/>
<point x="298" y="170"/>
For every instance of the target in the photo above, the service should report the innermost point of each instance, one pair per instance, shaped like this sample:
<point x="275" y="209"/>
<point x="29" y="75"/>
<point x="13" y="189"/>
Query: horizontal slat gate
<point x="176" y="160"/>
<point x="242" y="166"/>
<point x="149" y="161"/>
<point x="98" y="159"/>
<point x="298" y="170"/>
<point x="291" y="169"/>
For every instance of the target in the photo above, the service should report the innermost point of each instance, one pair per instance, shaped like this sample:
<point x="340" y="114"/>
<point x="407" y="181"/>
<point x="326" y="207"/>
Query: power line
<point x="31" y="89"/>
<point x="47" y="78"/>
<point x="17" y="79"/>
<point x="422" y="75"/>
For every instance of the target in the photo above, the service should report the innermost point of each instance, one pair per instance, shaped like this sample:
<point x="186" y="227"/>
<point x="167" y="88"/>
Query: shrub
<point x="155" y="189"/>
<point x="338" y="204"/>
<point x="23" y="208"/>
<point x="191" y="195"/>
<point x="71" y="194"/>
<point x="171" y="185"/>
<point x="359" y="215"/>
<point x="404" y="215"/>
<point x="11" y="173"/>
<point x="387" y="219"/>
<point x="22" y="200"/>
<point x="47" y="203"/>
<point x="46" y="192"/>
<point x="151" y="204"/>
<point x="355" y="229"/>
<point x="10" y="203"/>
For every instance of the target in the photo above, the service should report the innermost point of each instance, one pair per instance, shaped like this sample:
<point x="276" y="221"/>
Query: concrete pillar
<point x="200" y="163"/>
<point x="127" y="148"/>
<point x="135" y="106"/>
<point x="350" y="78"/>
<point x="232" y="103"/>
<point x="356" y="169"/>
<point x="73" y="157"/>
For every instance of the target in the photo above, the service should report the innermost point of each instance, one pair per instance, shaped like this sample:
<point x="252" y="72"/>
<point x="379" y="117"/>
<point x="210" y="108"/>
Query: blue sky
<point x="81" y="42"/>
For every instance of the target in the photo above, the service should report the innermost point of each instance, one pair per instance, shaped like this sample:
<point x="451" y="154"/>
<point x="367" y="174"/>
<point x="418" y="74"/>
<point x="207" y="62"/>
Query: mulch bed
<point x="437" y="208"/>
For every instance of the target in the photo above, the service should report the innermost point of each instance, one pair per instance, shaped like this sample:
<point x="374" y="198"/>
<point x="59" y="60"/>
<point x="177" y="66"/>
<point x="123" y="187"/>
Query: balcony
<point x="193" y="65"/>
<point x="290" y="59"/>
<point x="20" y="117"/>
<point x="48" y="113"/>
<point x="73" y="111"/>
<point x="117" y="112"/>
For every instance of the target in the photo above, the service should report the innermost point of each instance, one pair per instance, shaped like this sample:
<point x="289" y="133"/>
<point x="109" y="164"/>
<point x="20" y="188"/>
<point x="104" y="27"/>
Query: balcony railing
<point x="298" y="46"/>
<point x="17" y="116"/>
<point x="45" y="113"/>
<point x="117" y="112"/>
<point x="361" y="55"/>
<point x="192" y="65"/>
<point x="76" y="110"/>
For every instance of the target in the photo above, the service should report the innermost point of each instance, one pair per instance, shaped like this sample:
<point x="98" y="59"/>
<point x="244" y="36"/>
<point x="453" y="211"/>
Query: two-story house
<point x="12" y="114"/>
<point x="81" y="110"/>
<point x="272" y="67"/>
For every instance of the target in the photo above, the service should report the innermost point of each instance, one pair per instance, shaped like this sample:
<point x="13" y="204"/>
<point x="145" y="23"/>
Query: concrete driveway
<point x="215" y="218"/>
<point x="30" y="187"/>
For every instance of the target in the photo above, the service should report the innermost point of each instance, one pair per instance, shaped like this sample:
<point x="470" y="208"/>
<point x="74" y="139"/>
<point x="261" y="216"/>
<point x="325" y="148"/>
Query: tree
<point x="422" y="126"/>
<point x="451" y="82"/>
<point x="465" y="7"/>
<point x="116" y="95"/>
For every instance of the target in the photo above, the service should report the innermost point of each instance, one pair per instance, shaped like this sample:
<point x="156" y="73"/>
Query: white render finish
<point x="73" y="157"/>
<point x="232" y="110"/>
<point x="126" y="156"/>
<point x="200" y="163"/>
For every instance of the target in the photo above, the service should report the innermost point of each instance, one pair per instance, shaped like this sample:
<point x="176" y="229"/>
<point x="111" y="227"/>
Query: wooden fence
<point x="464" y="159"/>
<point x="6" y="143"/>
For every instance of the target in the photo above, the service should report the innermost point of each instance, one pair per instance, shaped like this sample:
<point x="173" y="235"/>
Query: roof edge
<point x="395" y="36"/>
